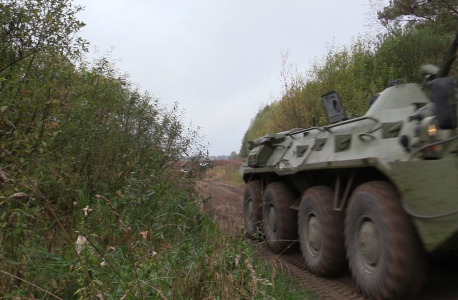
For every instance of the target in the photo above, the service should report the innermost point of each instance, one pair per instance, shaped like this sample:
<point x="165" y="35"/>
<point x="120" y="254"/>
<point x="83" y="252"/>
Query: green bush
<point x="92" y="202"/>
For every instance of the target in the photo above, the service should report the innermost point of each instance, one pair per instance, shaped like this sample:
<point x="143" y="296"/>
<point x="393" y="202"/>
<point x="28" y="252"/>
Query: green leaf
<point x="12" y="262"/>
<point x="3" y="108"/>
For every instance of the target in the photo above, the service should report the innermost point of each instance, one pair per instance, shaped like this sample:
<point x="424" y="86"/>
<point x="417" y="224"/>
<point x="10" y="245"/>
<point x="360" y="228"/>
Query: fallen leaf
<point x="19" y="195"/>
<point x="3" y="177"/>
<point x="80" y="241"/>
<point x="144" y="235"/>
<point x="86" y="210"/>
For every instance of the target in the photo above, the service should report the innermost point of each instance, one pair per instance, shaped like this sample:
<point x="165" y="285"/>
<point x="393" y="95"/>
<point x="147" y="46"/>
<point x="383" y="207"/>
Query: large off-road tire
<point x="279" y="220"/>
<point x="252" y="209"/>
<point x="385" y="254"/>
<point x="321" y="233"/>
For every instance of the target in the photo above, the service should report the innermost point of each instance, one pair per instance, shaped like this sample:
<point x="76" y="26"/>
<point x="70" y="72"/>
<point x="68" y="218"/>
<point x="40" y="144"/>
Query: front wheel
<point x="384" y="252"/>
<point x="279" y="220"/>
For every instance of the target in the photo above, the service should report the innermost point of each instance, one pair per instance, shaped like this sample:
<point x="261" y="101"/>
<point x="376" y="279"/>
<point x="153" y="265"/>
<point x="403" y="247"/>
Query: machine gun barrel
<point x="449" y="59"/>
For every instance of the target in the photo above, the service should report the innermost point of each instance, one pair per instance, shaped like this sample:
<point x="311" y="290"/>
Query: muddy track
<point x="327" y="289"/>
<point x="225" y="205"/>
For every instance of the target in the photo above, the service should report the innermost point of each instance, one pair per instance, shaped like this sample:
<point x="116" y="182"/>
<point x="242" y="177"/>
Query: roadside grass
<point x="147" y="240"/>
<point x="264" y="279"/>
<point x="283" y="287"/>
<point x="287" y="288"/>
<point x="150" y="247"/>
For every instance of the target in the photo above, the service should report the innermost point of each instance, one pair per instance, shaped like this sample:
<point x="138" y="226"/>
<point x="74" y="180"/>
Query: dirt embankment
<point x="224" y="202"/>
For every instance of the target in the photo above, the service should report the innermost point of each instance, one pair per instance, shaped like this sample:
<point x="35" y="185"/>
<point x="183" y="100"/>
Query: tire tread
<point x="281" y="197"/>
<point x="332" y="261"/>
<point x="405" y="272"/>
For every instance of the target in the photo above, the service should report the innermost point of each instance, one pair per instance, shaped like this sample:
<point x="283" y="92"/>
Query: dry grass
<point x="226" y="171"/>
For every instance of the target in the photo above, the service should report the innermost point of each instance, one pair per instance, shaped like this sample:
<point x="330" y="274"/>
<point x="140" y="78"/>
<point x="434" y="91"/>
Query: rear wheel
<point x="321" y="232"/>
<point x="385" y="255"/>
<point x="252" y="209"/>
<point x="279" y="220"/>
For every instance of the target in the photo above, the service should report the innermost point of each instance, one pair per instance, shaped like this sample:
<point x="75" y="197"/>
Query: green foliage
<point x="29" y="28"/>
<point x="414" y="12"/>
<point x="356" y="72"/>
<point x="92" y="203"/>
<point x="259" y="126"/>
<point x="405" y="51"/>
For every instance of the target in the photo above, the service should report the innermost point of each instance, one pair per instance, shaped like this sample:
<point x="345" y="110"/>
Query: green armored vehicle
<point x="374" y="193"/>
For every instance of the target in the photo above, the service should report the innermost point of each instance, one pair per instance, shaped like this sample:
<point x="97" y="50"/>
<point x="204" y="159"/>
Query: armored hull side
<point x="429" y="189"/>
<point x="384" y="182"/>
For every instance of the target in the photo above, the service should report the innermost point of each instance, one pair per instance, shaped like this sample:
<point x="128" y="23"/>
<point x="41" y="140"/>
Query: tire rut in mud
<point x="328" y="289"/>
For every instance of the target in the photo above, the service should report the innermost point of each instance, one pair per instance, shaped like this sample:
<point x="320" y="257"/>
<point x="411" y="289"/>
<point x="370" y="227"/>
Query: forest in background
<point x="415" y="33"/>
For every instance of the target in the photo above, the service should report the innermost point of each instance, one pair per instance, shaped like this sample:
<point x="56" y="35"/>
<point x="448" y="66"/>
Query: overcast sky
<point x="219" y="59"/>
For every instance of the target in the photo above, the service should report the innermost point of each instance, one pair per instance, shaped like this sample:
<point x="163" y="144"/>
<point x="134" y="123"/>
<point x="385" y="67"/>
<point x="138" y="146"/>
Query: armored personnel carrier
<point x="372" y="193"/>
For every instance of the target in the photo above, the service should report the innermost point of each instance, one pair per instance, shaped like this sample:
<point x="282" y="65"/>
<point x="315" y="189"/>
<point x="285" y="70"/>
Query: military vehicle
<point x="371" y="193"/>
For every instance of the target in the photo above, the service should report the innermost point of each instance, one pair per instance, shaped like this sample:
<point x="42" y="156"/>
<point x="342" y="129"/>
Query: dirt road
<point x="225" y="205"/>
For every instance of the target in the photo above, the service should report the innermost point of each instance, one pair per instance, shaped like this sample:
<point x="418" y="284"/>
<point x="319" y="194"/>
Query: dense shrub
<point x="71" y="130"/>
<point x="92" y="201"/>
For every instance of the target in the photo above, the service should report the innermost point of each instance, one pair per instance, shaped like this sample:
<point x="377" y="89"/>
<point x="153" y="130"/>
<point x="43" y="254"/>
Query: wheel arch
<point x="343" y="181"/>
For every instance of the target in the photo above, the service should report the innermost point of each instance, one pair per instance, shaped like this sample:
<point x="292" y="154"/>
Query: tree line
<point x="416" y="33"/>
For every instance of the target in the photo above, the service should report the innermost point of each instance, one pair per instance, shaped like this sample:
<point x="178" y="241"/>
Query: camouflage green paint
<point x="425" y="178"/>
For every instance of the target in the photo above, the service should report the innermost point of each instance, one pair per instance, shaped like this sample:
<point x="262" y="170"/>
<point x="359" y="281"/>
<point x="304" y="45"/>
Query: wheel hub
<point x="370" y="243"/>
<point x="313" y="236"/>
<point x="273" y="218"/>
